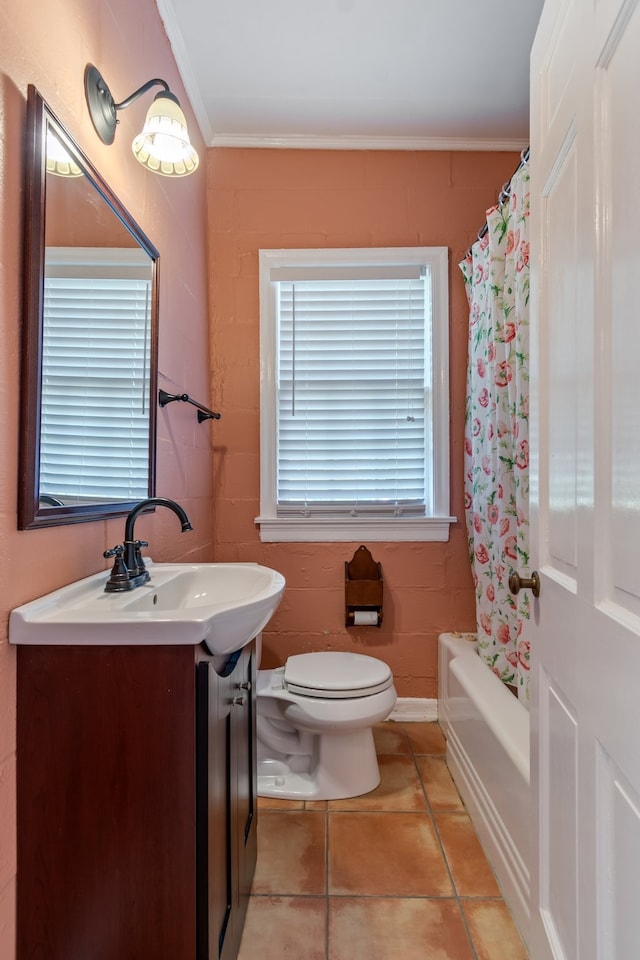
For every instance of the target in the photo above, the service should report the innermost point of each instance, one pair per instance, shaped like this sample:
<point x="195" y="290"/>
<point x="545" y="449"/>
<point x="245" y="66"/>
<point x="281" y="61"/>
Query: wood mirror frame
<point x="32" y="512"/>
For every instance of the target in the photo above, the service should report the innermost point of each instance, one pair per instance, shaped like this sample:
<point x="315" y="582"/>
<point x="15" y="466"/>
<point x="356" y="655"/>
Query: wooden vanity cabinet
<point x="136" y="802"/>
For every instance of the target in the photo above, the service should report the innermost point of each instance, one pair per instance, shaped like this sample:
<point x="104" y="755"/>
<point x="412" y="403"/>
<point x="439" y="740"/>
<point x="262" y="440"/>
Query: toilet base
<point x="347" y="766"/>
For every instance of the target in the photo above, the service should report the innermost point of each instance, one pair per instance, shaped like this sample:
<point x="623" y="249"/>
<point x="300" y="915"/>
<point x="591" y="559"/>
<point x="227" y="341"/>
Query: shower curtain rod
<point x="505" y="193"/>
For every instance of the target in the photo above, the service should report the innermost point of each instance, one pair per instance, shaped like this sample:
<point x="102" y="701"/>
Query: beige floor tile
<point x="472" y="875"/>
<point x="400" y="788"/>
<point x="396" y="929"/>
<point x="391" y="737"/>
<point x="279" y="927"/>
<point x="291" y="853"/>
<point x="426" y="738"/>
<point x="385" y="865"/>
<point x="493" y="932"/>
<point x="438" y="783"/>
<point x="274" y="803"/>
<point x="385" y="854"/>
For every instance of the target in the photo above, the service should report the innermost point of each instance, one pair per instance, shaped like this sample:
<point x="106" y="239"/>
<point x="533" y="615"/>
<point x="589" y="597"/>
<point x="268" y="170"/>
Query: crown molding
<point x="302" y="142"/>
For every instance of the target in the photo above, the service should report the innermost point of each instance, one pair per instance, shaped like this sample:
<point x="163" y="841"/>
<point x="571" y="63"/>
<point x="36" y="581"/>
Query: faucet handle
<point x="114" y="552"/>
<point x="119" y="576"/>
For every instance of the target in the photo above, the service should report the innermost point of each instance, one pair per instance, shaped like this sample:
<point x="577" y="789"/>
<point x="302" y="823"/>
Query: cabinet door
<point x="106" y="790"/>
<point x="244" y="718"/>
<point x="226" y="792"/>
<point x="216" y="816"/>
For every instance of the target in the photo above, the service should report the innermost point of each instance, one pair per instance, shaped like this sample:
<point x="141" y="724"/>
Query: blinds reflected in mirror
<point x="95" y="375"/>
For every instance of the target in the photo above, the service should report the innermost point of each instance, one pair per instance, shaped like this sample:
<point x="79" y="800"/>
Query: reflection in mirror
<point x="89" y="361"/>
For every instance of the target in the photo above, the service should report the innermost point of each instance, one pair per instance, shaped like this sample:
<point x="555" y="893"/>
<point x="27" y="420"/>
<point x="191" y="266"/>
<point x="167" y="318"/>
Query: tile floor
<point x="397" y="874"/>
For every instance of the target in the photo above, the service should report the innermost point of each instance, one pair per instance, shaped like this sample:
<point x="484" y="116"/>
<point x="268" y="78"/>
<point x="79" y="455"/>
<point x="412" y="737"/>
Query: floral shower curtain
<point x="496" y="274"/>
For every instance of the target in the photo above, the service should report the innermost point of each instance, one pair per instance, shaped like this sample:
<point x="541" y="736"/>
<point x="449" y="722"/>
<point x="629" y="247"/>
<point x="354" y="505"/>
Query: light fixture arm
<point x="103" y="108"/>
<point x="140" y="92"/>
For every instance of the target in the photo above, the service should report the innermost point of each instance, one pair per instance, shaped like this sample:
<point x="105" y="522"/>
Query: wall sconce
<point x="163" y="146"/>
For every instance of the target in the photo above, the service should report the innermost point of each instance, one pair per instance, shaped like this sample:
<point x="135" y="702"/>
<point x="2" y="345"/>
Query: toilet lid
<point x="336" y="675"/>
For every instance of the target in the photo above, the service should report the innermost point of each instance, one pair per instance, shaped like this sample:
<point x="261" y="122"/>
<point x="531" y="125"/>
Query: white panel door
<point x="585" y="490"/>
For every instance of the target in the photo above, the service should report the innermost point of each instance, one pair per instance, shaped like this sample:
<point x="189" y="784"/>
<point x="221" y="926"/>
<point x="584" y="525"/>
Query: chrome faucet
<point x="129" y="570"/>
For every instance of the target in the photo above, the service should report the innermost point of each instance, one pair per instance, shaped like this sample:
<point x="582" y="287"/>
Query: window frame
<point x="434" y="526"/>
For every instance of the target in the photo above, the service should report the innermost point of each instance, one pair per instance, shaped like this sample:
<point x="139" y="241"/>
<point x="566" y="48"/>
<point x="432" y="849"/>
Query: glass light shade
<point x="58" y="160"/>
<point x="164" y="146"/>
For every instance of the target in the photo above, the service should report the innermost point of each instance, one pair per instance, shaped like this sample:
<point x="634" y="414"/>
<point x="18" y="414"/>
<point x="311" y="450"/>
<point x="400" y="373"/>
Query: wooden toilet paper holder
<point x="362" y="587"/>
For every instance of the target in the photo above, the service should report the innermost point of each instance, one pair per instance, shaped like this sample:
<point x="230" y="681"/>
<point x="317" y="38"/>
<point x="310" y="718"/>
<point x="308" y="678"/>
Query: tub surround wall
<point x="307" y="198"/>
<point x="48" y="45"/>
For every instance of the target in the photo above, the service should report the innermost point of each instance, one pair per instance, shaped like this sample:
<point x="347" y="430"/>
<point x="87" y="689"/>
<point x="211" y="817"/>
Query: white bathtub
<point x="487" y="733"/>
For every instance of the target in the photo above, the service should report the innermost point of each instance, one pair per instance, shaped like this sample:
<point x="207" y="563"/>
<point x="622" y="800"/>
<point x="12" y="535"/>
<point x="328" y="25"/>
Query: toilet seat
<point x="337" y="676"/>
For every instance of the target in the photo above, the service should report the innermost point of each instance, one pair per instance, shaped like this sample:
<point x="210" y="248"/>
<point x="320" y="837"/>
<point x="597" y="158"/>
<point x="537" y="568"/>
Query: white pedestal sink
<point x="224" y="605"/>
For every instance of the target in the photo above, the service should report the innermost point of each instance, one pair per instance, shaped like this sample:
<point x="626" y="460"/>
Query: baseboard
<point x="414" y="709"/>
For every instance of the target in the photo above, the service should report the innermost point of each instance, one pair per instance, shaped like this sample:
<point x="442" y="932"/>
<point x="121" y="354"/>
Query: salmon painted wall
<point x="296" y="198"/>
<point x="48" y="44"/>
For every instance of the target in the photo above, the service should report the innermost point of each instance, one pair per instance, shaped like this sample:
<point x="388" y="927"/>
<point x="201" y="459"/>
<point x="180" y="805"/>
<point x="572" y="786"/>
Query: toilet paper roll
<point x="365" y="618"/>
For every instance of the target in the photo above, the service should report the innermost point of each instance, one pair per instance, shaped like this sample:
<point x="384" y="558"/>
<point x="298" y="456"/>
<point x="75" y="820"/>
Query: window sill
<point x="329" y="529"/>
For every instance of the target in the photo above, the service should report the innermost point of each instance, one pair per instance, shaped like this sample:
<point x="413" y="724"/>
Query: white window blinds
<point x="353" y="379"/>
<point x="95" y="383"/>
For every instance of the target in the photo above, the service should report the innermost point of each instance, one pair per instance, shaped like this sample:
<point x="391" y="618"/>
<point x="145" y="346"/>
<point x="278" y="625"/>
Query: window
<point x="354" y="396"/>
<point x="95" y="374"/>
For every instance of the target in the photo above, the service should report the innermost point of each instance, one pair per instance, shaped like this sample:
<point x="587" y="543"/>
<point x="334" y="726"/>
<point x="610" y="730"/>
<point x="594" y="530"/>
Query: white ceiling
<point x="414" y="74"/>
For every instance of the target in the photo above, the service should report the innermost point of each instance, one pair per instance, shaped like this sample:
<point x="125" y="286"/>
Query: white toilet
<point x="314" y="723"/>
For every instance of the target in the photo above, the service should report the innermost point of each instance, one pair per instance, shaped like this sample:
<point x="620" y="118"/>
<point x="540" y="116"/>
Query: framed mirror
<point x="89" y="354"/>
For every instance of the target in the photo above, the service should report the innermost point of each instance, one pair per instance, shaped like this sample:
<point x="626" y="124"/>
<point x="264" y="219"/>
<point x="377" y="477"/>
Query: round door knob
<point x="518" y="583"/>
<point x="239" y="701"/>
